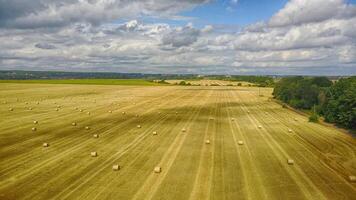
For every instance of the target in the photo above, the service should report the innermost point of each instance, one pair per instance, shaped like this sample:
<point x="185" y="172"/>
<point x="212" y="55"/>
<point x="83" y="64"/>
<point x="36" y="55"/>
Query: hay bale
<point x="290" y="162"/>
<point x="88" y="113"/>
<point x="154" y="132"/>
<point x="26" y="103"/>
<point x="34" y="129"/>
<point x="56" y="109"/>
<point x="96" y="136"/>
<point x="74" y="124"/>
<point x="295" y="119"/>
<point x="94" y="154"/>
<point x="116" y="167"/>
<point x="176" y="112"/>
<point x="184" y="130"/>
<point x="11" y="109"/>
<point x="290" y="130"/>
<point x="30" y="108"/>
<point x="157" y="169"/>
<point x="232" y="119"/>
<point x="45" y="144"/>
<point x="248" y="111"/>
<point x="138" y="126"/>
<point x="35" y="122"/>
<point x="259" y="126"/>
<point x="37" y="102"/>
<point x="87" y="128"/>
<point x="207" y="141"/>
<point x="352" y="178"/>
<point x="240" y="142"/>
<point x="110" y="111"/>
<point x="211" y="118"/>
<point x="80" y="110"/>
<point x="123" y="113"/>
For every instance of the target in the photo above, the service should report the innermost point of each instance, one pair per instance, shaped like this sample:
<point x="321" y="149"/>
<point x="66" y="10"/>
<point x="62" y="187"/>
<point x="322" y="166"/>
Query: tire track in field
<point x="167" y="159"/>
<point x="316" y="153"/>
<point x="70" y="127"/>
<point x="53" y="159"/>
<point x="297" y="174"/>
<point x="147" y="147"/>
<point x="203" y="180"/>
<point x="312" y="148"/>
<point x="84" y="136"/>
<point x="254" y="189"/>
<point x="119" y="154"/>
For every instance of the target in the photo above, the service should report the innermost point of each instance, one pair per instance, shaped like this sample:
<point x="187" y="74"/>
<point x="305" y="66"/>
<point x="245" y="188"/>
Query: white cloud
<point x="292" y="41"/>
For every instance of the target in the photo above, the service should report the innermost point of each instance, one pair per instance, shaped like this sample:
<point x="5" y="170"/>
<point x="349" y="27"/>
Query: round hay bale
<point x="154" y="132"/>
<point x="240" y="142"/>
<point x="295" y="119"/>
<point x="96" y="136"/>
<point x="87" y="128"/>
<point x="184" y="130"/>
<point x="207" y="141"/>
<point x="123" y="113"/>
<point x="80" y="110"/>
<point x="11" y="109"/>
<point x="290" y="162"/>
<point x="35" y="122"/>
<point x="74" y="124"/>
<point x="94" y="154"/>
<point x="34" y="129"/>
<point x="45" y="144"/>
<point x="116" y="167"/>
<point x="232" y="119"/>
<point x="176" y="112"/>
<point x="88" y="113"/>
<point x="352" y="178"/>
<point x="56" y="109"/>
<point x="110" y="111"/>
<point x="38" y="103"/>
<point x="138" y="126"/>
<point x="157" y="169"/>
<point x="290" y="130"/>
<point x="259" y="126"/>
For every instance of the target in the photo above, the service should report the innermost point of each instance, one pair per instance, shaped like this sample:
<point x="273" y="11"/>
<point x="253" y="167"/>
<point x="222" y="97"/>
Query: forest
<point x="334" y="101"/>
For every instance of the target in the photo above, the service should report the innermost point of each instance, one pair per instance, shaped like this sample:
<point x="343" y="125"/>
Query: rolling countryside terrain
<point x="210" y="143"/>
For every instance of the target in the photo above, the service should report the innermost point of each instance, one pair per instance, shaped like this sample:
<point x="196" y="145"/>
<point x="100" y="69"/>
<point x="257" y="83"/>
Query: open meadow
<point x="63" y="141"/>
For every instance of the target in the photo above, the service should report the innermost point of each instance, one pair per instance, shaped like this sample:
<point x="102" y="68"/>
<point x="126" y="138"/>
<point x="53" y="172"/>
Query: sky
<point x="254" y="37"/>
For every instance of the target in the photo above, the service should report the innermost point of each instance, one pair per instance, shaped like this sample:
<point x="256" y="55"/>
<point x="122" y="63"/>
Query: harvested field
<point x="249" y="157"/>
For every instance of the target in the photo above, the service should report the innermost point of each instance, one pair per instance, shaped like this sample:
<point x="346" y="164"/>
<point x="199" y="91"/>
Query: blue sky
<point x="242" y="13"/>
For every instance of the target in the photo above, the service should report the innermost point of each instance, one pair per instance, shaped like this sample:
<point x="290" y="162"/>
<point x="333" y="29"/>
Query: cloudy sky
<point x="308" y="37"/>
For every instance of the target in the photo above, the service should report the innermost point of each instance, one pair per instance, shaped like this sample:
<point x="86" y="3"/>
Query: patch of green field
<point x="141" y="82"/>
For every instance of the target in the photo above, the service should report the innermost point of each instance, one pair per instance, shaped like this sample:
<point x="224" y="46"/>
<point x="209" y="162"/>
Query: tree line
<point x="335" y="101"/>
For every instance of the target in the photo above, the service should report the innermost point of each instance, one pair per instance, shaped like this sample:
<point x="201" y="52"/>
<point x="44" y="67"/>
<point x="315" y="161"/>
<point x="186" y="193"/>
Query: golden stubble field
<point x="210" y="142"/>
